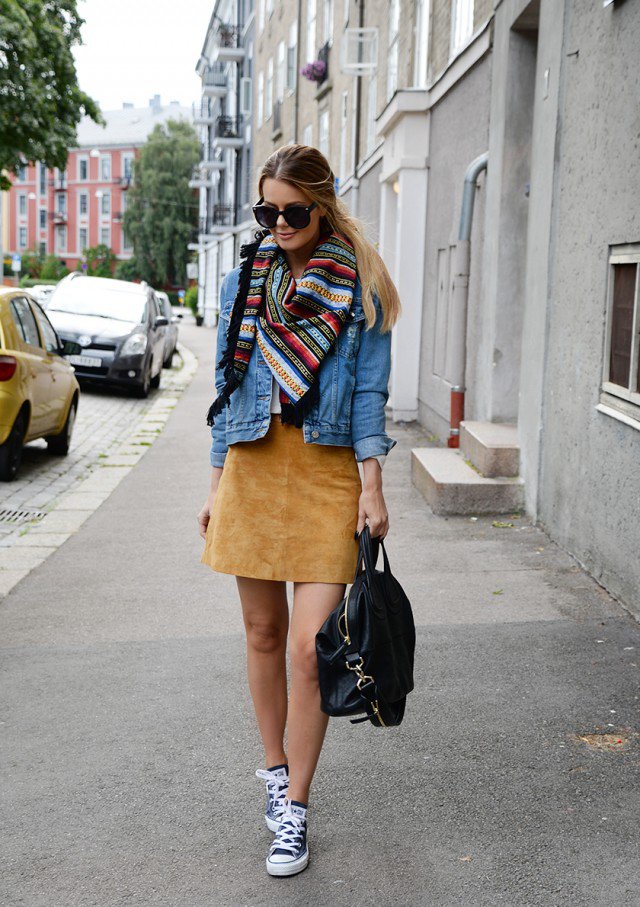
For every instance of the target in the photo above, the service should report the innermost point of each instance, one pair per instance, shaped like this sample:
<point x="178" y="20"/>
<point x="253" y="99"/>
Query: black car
<point x="119" y="326"/>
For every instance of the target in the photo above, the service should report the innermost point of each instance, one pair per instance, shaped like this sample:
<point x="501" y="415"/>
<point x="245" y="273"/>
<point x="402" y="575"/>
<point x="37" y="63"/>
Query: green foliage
<point x="34" y="282"/>
<point x="128" y="270"/>
<point x="100" y="261"/>
<point x="191" y="299"/>
<point x="42" y="103"/>
<point x="31" y="265"/>
<point x="162" y="211"/>
<point x="52" y="269"/>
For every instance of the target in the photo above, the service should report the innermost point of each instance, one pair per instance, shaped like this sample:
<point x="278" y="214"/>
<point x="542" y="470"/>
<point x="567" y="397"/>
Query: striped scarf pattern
<point x="295" y="324"/>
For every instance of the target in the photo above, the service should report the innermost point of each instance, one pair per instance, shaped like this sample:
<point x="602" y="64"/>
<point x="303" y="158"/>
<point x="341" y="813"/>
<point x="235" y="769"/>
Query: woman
<point x="302" y="375"/>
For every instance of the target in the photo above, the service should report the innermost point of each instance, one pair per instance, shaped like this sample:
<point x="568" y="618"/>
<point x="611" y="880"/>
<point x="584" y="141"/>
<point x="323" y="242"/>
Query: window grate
<point x="16" y="517"/>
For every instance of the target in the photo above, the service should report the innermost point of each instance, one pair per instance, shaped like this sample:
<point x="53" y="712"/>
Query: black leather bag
<point x="366" y="646"/>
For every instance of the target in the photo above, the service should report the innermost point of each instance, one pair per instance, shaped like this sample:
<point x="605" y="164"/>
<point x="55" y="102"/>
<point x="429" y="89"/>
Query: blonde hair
<point x="306" y="168"/>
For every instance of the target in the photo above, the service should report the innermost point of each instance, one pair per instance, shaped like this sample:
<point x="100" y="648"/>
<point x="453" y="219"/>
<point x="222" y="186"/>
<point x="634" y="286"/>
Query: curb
<point x="78" y="503"/>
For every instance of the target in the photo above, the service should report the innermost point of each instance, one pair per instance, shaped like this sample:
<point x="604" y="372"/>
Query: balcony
<point x="59" y="183"/>
<point x="58" y="217"/>
<point x="202" y="113"/>
<point x="118" y="216"/>
<point x="124" y="181"/>
<point x="228" y="132"/>
<point x="228" y="49"/>
<point x="215" y="82"/>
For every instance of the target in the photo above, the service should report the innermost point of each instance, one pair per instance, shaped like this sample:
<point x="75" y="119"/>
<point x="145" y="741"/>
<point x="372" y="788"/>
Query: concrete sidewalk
<point x="129" y="745"/>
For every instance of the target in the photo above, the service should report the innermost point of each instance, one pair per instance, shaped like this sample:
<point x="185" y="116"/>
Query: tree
<point x="100" y="261"/>
<point x="162" y="211"/>
<point x="53" y="269"/>
<point x="41" y="103"/>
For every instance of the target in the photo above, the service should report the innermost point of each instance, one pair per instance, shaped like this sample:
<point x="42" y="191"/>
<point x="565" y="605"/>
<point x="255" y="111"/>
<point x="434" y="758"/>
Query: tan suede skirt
<point x="285" y="510"/>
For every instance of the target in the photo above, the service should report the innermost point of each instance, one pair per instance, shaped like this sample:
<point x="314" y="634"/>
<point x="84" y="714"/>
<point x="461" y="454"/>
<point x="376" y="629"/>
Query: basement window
<point x="621" y="366"/>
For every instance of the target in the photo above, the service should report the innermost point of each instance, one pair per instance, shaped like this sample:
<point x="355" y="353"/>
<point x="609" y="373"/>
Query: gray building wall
<point x="590" y="468"/>
<point x="459" y="133"/>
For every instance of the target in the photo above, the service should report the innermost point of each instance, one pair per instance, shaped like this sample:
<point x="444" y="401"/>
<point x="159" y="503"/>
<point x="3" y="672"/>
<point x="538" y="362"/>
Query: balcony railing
<point x="215" y="77"/>
<point x="58" y="182"/>
<point x="227" y="127"/>
<point x="222" y="215"/>
<point x="58" y="217"/>
<point x="202" y="112"/>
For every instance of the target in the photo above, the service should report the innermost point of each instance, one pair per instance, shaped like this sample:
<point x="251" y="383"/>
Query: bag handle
<point x="368" y="552"/>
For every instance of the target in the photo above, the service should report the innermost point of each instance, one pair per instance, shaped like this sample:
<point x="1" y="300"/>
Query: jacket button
<point x="315" y="434"/>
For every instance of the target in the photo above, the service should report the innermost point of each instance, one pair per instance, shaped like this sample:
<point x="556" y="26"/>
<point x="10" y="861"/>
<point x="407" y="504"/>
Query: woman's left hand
<point x="371" y="507"/>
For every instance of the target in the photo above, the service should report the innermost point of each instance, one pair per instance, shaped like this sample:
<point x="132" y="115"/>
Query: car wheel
<point x="155" y="381"/>
<point x="11" y="450"/>
<point x="142" y="390"/>
<point x="60" y="444"/>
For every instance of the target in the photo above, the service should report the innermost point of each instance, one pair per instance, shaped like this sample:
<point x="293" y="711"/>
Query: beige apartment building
<point x="477" y="139"/>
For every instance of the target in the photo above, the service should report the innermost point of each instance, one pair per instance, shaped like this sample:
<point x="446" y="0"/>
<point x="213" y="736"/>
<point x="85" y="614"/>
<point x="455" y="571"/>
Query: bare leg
<point x="266" y="619"/>
<point x="312" y="603"/>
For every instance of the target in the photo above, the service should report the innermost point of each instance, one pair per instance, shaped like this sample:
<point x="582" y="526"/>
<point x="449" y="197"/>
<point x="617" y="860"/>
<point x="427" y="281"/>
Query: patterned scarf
<point x="295" y="324"/>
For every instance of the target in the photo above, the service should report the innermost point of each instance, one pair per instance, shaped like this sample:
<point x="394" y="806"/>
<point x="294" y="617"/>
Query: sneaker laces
<point x="277" y="787"/>
<point x="290" y="835"/>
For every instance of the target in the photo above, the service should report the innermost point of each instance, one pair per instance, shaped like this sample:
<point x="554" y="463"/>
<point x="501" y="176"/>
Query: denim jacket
<point x="353" y="387"/>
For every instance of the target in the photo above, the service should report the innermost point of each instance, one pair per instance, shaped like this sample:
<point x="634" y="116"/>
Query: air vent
<point x="16" y="517"/>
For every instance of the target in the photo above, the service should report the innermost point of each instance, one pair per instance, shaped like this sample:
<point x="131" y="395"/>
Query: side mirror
<point x="69" y="348"/>
<point x="160" y="321"/>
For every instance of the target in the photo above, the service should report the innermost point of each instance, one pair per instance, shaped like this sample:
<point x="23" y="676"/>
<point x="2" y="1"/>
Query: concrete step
<point x="450" y="485"/>
<point x="492" y="447"/>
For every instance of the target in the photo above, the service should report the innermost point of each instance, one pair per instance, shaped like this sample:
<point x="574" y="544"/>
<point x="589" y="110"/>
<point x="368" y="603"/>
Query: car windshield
<point x="80" y="299"/>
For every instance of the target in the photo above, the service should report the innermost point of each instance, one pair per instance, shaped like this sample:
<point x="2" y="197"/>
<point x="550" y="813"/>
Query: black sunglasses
<point x="297" y="216"/>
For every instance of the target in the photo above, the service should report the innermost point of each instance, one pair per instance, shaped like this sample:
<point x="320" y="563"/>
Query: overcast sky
<point x="134" y="49"/>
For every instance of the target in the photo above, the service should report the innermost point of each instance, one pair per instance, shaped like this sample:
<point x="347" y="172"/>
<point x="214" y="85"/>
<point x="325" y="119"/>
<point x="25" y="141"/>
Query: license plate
<point x="88" y="361"/>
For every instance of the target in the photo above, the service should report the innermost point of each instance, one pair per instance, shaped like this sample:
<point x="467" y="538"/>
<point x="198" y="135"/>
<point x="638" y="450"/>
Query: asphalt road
<point x="129" y="746"/>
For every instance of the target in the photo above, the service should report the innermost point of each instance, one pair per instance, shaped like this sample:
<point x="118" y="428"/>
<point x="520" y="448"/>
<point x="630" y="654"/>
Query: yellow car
<point x="39" y="391"/>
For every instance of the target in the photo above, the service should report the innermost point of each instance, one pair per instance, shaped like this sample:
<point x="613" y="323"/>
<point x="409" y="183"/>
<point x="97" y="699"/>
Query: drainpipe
<point x="457" y="346"/>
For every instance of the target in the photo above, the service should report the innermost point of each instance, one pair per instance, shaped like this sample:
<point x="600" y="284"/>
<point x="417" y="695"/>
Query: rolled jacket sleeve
<point x="371" y="392"/>
<point x="219" y="445"/>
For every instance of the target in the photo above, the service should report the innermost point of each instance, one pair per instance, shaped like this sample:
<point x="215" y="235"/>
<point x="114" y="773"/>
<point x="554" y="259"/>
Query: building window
<point x="327" y="22"/>
<point x="42" y="246"/>
<point x="268" y="101"/>
<point x="392" y="59"/>
<point x="22" y="237"/>
<point x="622" y="360"/>
<point x="61" y="238"/>
<point x="43" y="179"/>
<point x="105" y="166"/>
<point x="280" y="71"/>
<point x="61" y="203"/>
<point x="127" y="164"/>
<point x="344" y="115"/>
<point x="43" y="218"/>
<point x="461" y="23"/>
<point x="105" y="236"/>
<point x="21" y="174"/>
<point x="126" y="242"/>
<point x="83" y="168"/>
<point x="105" y="204"/>
<point x="291" y="56"/>
<point x="311" y="32"/>
<point x="124" y="201"/>
<point x="307" y="135"/>
<point x="83" y="204"/>
<point x="372" y="104"/>
<point x="422" y="43"/>
<point x="261" y="4"/>
<point x="22" y="205"/>
<point x="260" y="112"/>
<point x="323" y="132"/>
<point x="83" y="239"/>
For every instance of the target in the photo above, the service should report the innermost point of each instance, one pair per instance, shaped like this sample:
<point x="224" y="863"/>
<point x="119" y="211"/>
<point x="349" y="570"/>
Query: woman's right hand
<point x="205" y="514"/>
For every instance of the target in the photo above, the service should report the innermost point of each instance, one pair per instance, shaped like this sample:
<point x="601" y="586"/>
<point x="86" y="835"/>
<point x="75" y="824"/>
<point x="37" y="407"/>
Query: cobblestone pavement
<point x="113" y="429"/>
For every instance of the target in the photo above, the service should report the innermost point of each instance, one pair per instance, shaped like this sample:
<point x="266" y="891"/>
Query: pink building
<point x="64" y="213"/>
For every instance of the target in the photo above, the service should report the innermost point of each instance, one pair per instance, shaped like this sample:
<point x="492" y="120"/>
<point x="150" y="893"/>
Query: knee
<point x="304" y="661"/>
<point x="264" y="636"/>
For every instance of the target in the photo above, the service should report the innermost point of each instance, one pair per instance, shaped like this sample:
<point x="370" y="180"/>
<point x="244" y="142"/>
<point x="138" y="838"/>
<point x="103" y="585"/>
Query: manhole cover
<point x="16" y="517"/>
